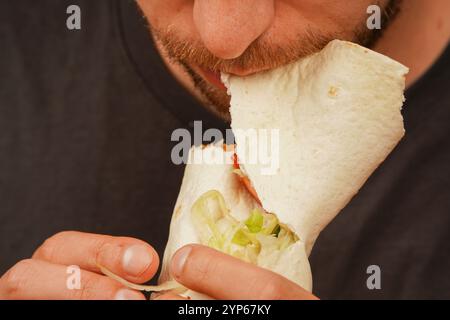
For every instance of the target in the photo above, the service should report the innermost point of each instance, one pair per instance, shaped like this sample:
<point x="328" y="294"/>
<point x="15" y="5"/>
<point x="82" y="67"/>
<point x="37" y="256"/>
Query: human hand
<point x="222" y="276"/>
<point x="44" y="276"/>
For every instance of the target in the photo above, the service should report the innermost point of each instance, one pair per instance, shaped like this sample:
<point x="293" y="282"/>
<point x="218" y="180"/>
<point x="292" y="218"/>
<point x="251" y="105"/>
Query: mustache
<point x="262" y="55"/>
<point x="258" y="56"/>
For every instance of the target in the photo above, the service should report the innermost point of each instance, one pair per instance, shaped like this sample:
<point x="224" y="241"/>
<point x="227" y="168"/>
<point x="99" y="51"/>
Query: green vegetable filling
<point x="260" y="233"/>
<point x="255" y="222"/>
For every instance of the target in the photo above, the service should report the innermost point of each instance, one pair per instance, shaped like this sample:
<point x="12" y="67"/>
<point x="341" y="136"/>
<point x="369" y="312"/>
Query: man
<point x="85" y="128"/>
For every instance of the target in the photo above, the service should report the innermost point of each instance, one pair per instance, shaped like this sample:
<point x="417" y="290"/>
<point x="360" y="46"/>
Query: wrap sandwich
<point x="338" y="114"/>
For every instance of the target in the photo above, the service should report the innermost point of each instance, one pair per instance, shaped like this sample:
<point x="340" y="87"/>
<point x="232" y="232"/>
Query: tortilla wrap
<point x="198" y="179"/>
<point x="338" y="114"/>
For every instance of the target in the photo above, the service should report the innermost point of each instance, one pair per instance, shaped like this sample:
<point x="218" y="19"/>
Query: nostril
<point x="228" y="28"/>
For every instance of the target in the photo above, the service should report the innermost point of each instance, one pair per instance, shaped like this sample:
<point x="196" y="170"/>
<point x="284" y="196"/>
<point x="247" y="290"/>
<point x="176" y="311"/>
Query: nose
<point x="228" y="27"/>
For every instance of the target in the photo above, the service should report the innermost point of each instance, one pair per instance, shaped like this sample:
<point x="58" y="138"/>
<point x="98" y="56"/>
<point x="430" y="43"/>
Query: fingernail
<point x="179" y="260"/>
<point x="136" y="260"/>
<point x="126" y="294"/>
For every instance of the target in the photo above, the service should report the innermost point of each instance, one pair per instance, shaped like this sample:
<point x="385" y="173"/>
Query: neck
<point x="417" y="36"/>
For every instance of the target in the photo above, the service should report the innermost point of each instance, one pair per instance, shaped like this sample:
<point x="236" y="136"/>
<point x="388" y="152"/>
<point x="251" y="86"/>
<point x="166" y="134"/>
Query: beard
<point x="260" y="55"/>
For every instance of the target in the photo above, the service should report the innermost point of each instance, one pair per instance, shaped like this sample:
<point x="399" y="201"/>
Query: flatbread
<point x="338" y="113"/>
<point x="201" y="178"/>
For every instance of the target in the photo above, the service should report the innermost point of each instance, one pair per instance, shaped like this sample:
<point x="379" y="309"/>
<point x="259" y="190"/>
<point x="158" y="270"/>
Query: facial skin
<point x="207" y="37"/>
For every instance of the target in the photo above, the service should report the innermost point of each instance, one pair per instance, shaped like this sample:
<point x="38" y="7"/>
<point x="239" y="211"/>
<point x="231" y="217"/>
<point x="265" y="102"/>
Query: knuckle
<point x="87" y="290"/>
<point x="204" y="268"/>
<point x="15" y="279"/>
<point x="100" y="247"/>
<point x="48" y="248"/>
<point x="63" y="235"/>
<point x="270" y="289"/>
<point x="94" y="287"/>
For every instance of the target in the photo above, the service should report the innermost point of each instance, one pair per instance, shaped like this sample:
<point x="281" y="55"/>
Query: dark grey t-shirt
<point x="86" y="119"/>
<point x="85" y="124"/>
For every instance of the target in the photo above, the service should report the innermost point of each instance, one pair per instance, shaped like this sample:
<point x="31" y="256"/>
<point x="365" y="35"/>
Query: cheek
<point x="173" y="15"/>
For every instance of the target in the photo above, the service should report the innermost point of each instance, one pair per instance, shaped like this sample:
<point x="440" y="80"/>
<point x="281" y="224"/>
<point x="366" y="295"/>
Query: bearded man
<point x="86" y="120"/>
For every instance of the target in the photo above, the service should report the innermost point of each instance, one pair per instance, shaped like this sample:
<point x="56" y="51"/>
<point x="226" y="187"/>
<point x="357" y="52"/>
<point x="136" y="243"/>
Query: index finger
<point x="129" y="258"/>
<point x="222" y="276"/>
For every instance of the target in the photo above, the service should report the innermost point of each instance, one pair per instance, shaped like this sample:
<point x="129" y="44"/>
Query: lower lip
<point x="213" y="78"/>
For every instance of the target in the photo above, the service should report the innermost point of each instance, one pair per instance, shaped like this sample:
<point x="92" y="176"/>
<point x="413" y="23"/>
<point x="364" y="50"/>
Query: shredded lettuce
<point x="241" y="238"/>
<point x="260" y="235"/>
<point x="255" y="222"/>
